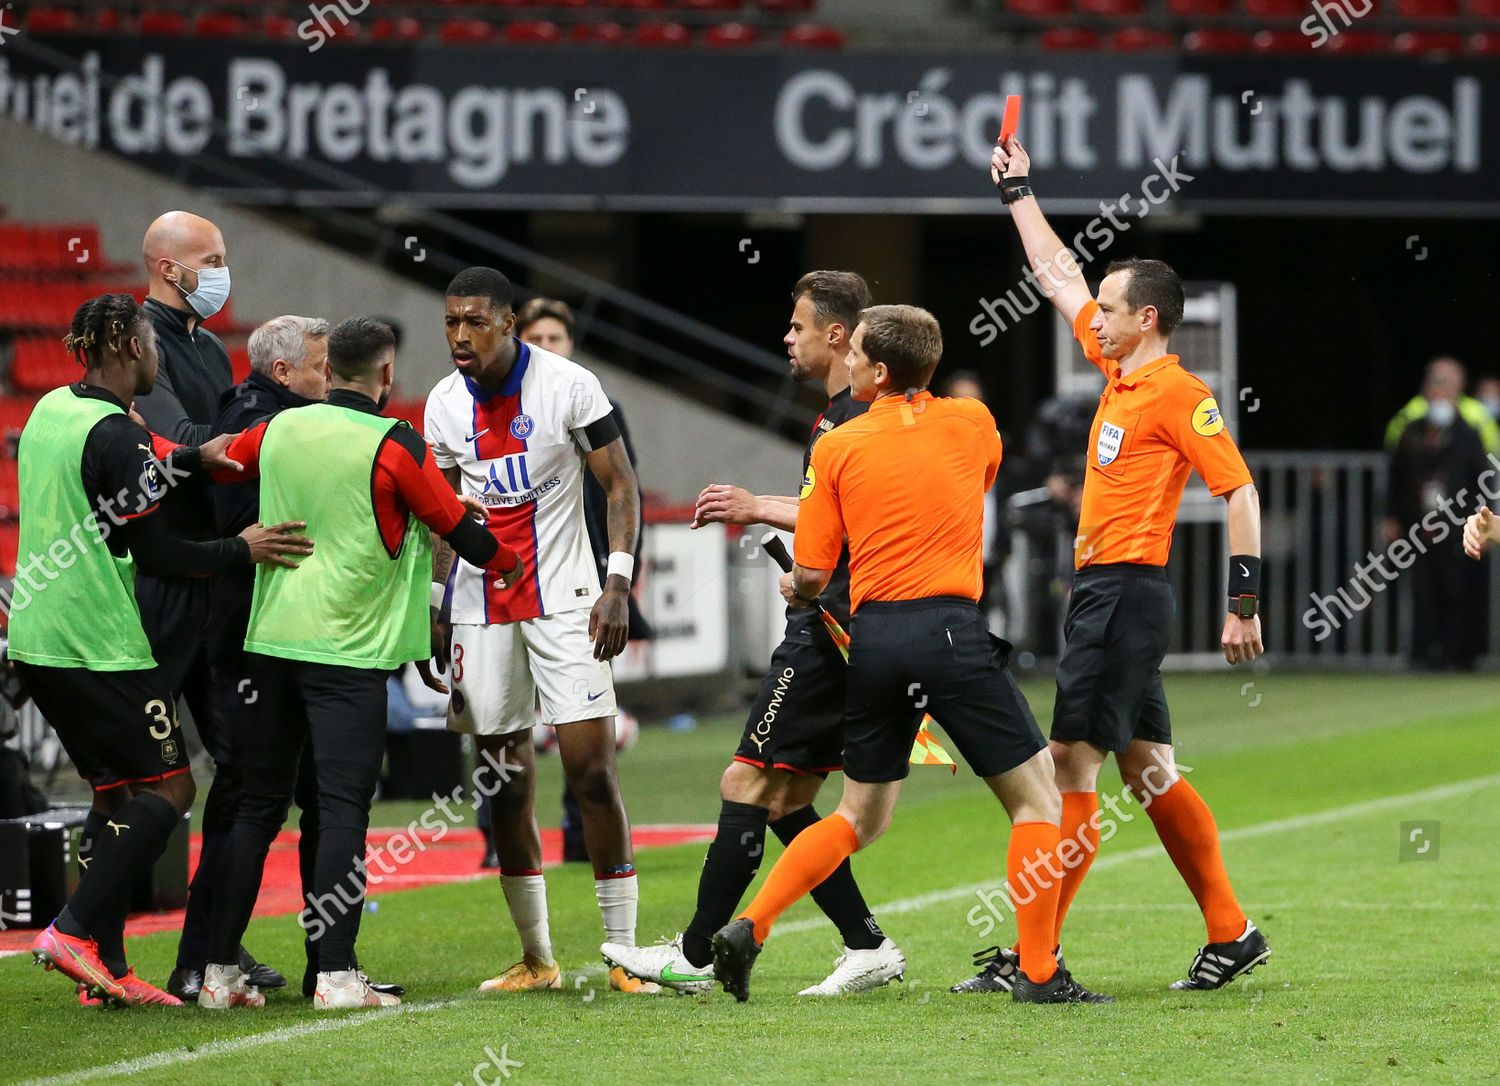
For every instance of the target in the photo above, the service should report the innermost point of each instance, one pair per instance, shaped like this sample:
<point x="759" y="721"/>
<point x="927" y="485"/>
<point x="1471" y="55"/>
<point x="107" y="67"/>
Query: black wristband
<point x="1015" y="188"/>
<point x="1244" y="575"/>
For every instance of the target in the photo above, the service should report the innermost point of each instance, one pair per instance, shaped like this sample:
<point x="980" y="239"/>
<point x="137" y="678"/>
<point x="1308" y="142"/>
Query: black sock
<point x="130" y="842"/>
<point x="728" y="870"/>
<point x="838" y="895"/>
<point x="112" y="941"/>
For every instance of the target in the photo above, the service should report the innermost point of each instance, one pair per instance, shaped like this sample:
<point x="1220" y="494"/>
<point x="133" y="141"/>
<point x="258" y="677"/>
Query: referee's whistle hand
<point x="789" y="592"/>
<point x="1241" y="641"/>
<point x="275" y="545"/>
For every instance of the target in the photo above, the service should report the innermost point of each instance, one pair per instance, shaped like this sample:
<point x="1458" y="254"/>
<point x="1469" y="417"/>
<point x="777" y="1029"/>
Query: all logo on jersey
<point x="809" y="481"/>
<point x="508" y="475"/>
<point x="521" y="427"/>
<point x="1110" y="439"/>
<point x="1208" y="420"/>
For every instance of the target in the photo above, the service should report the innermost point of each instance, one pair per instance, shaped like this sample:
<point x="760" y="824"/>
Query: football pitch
<point x="1386" y="963"/>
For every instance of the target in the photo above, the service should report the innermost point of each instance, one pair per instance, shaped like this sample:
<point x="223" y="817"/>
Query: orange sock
<point x="1034" y="893"/>
<point x="1078" y="810"/>
<point x="1186" y="827"/>
<point x="813" y="855"/>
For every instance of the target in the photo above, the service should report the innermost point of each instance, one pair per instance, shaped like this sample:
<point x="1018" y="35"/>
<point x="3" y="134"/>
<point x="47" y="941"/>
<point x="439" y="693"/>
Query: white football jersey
<point x="521" y="451"/>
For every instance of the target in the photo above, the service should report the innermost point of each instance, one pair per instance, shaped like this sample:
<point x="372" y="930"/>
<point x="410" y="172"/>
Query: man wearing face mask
<point x="186" y="264"/>
<point x="1438" y="446"/>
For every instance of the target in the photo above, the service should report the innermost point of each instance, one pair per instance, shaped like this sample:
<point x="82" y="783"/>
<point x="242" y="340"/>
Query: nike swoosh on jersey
<point x="476" y="437"/>
<point x="596" y="697"/>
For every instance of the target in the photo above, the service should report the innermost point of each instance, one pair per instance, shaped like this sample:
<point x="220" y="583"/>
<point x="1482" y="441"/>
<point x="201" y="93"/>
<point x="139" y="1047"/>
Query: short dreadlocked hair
<point x="101" y="323"/>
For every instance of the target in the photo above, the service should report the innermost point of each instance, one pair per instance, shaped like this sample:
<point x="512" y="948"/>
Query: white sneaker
<point x="226" y="986"/>
<point x="348" y="988"/>
<point x="861" y="970"/>
<point x="663" y="963"/>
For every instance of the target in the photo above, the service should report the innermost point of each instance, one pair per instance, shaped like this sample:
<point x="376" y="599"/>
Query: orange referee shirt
<point x="1151" y="430"/>
<point x="905" y="482"/>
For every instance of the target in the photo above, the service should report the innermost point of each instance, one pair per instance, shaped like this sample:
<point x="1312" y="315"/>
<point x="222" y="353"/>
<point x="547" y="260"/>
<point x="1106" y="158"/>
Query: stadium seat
<point x="10" y="538"/>
<point x="1216" y="41"/>
<point x="1486" y="43"/>
<point x="1426" y="9"/>
<point x="1359" y="42"/>
<point x="713" y="5"/>
<point x="1195" y="8"/>
<point x="52" y="21"/>
<point x="657" y="35"/>
<point x="162" y="24"/>
<point x="278" y="27"/>
<point x="467" y="32"/>
<point x="1066" y="39"/>
<point x="1415" y="43"/>
<point x="14" y="411"/>
<point x="730" y="35"/>
<point x="636" y="5"/>
<point x="105" y="22"/>
<point x="1113" y="9"/>
<point x="1281" y="41"/>
<point x="239" y="363"/>
<point x="813" y="36"/>
<point x="533" y="32"/>
<point x="404" y="28"/>
<point x="1289" y="10"/>
<point x="17" y="247"/>
<point x="10" y="490"/>
<point x="1139" y="39"/>
<point x="1484" y="9"/>
<point x="1038" y="8"/>
<point x="40" y="364"/>
<point x="413" y="411"/>
<point x="598" y="34"/>
<point x="220" y="24"/>
<point x="787" y="7"/>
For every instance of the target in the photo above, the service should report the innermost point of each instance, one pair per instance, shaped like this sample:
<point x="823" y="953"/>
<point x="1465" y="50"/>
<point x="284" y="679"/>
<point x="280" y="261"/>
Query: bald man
<point x="187" y="267"/>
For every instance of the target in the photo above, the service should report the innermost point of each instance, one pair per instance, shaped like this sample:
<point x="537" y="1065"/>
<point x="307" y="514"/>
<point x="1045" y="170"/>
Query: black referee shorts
<point x="931" y="656"/>
<point x="118" y="727"/>
<point x="1109" y="688"/>
<point x="796" y="722"/>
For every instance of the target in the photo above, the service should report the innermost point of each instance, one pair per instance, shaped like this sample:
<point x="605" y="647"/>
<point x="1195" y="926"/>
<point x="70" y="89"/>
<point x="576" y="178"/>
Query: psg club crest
<point x="1110" y="437"/>
<point x="521" y="427"/>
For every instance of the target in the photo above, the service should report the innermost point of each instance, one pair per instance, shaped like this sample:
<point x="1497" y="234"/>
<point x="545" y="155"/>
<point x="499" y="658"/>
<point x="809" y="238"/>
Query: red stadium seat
<point x="105" y="22"/>
<point x="730" y="35"/>
<point x="1067" y="39"/>
<point x="413" y="411"/>
<point x="533" y="32"/>
<point x="636" y="5"/>
<point x="1486" y="43"/>
<point x="467" y="32"/>
<point x="10" y="490"/>
<point x="278" y="27"/>
<point x="1281" y="41"/>
<point x="813" y="36"/>
<point x="1275" y="9"/>
<point x="713" y="5"/>
<point x="10" y="539"/>
<point x="598" y="34"/>
<point x="1359" y="42"/>
<point x="1194" y="8"/>
<point x="1137" y="39"/>
<point x="788" y="7"/>
<point x="239" y="363"/>
<point x="1038" y="8"/>
<point x="404" y="28"/>
<point x="220" y="24"/>
<point x="17" y="247"/>
<point x="1416" y="43"/>
<point x="1427" y="9"/>
<point x="656" y="35"/>
<point x="1112" y="8"/>
<point x="40" y="364"/>
<point x="14" y="411"/>
<point x="1216" y="41"/>
<point x="52" y="21"/>
<point x="162" y="24"/>
<point x="1484" y="9"/>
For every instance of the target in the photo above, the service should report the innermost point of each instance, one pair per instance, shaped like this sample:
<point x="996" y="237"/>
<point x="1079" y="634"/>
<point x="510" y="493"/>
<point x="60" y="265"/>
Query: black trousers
<point x="342" y="710"/>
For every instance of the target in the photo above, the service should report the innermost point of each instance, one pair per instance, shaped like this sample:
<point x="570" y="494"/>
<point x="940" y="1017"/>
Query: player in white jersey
<point x="514" y="426"/>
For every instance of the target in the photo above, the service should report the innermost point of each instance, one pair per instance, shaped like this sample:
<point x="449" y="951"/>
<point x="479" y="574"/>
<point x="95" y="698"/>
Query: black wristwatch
<point x="1245" y="606"/>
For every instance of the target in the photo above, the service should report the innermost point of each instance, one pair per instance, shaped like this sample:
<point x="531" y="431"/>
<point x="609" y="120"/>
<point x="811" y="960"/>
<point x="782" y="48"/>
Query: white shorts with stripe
<point x="500" y="672"/>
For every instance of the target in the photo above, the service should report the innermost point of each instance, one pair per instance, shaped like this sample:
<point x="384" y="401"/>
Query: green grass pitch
<point x="1384" y="970"/>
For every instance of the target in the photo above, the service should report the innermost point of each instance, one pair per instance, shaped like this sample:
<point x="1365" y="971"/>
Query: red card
<point x="1012" y="119"/>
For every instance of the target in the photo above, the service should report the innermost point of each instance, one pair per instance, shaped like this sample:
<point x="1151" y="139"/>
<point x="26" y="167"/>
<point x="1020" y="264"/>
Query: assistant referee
<point x="906" y="483"/>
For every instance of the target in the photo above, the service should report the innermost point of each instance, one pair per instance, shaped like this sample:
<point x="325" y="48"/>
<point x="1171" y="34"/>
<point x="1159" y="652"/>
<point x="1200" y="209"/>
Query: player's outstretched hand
<point x="429" y="680"/>
<point x="475" y="507"/>
<point x="609" y="623"/>
<point x="720" y="503"/>
<point x="1480" y="530"/>
<point x="275" y="545"/>
<point x="1241" y="640"/>
<point x="1009" y="160"/>
<point x="215" y="454"/>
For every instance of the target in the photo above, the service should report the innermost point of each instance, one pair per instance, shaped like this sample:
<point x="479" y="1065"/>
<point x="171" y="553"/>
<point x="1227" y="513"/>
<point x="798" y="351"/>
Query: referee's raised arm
<point x="1057" y="273"/>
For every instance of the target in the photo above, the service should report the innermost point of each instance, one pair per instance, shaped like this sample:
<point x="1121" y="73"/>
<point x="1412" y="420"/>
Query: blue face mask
<point x="212" y="292"/>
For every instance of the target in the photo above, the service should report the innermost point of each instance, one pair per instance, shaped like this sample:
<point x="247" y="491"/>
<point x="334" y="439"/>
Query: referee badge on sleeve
<point x="809" y="481"/>
<point x="1110" y="439"/>
<point x="1208" y="420"/>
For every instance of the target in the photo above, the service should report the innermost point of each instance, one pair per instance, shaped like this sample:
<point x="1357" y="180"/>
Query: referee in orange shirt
<point x="1156" y="423"/>
<point x="906" y="483"/>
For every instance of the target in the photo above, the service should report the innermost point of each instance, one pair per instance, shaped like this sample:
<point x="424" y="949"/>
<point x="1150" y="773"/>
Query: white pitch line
<point x="239" y="1044"/>
<point x="1261" y="829"/>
